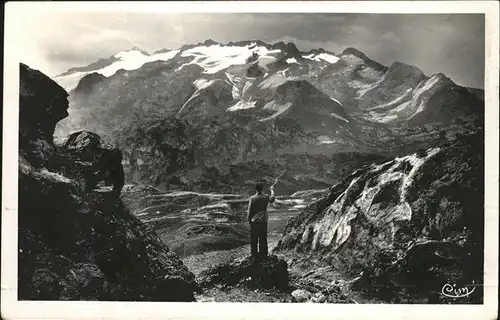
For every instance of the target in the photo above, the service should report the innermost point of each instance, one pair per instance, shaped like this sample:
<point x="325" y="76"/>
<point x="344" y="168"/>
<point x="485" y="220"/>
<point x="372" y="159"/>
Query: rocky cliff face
<point x="407" y="226"/>
<point x="39" y="110"/>
<point x="76" y="239"/>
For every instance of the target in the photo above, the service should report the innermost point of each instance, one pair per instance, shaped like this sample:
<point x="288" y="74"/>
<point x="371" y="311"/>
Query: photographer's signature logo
<point x="453" y="291"/>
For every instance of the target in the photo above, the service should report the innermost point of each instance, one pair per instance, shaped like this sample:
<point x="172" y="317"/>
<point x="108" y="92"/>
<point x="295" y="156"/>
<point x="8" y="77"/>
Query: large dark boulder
<point x="85" y="156"/>
<point x="267" y="273"/>
<point x="42" y="103"/>
<point x="78" y="242"/>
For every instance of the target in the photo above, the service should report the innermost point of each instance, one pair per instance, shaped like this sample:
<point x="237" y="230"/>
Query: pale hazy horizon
<point x="446" y="43"/>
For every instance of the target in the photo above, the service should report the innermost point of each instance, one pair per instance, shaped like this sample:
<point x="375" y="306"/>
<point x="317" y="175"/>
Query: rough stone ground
<point x="221" y="293"/>
<point x="308" y="274"/>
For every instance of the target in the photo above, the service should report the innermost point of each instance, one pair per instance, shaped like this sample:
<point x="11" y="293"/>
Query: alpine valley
<point x="379" y="176"/>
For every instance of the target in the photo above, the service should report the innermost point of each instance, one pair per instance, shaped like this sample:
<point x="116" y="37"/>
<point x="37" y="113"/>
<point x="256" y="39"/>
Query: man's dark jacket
<point x="257" y="207"/>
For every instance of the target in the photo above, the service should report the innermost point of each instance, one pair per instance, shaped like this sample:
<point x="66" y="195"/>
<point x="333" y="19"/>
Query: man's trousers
<point x="258" y="235"/>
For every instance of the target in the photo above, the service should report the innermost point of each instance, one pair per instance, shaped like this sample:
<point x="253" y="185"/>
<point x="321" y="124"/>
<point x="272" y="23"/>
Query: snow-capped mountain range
<point x="212" y="58"/>
<point x="251" y="100"/>
<point x="384" y="95"/>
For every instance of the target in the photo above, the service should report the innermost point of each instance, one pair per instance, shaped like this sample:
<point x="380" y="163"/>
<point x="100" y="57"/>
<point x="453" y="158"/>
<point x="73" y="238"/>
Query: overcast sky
<point x="451" y="44"/>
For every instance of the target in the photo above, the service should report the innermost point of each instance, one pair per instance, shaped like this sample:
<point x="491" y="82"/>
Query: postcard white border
<point x="13" y="309"/>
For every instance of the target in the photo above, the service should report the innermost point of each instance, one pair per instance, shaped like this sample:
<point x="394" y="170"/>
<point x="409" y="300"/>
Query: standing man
<point x="257" y="217"/>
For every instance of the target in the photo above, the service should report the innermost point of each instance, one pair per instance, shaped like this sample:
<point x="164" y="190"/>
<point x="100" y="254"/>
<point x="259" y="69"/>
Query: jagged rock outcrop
<point x="39" y="110"/>
<point x="77" y="242"/>
<point x="409" y="225"/>
<point x="369" y="62"/>
<point x="85" y="157"/>
<point x="270" y="272"/>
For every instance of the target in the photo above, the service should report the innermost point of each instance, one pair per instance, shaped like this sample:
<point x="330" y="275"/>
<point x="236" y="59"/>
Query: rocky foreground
<point x="76" y="239"/>
<point x="402" y="229"/>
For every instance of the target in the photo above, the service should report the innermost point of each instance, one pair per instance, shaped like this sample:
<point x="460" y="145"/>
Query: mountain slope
<point x="249" y="100"/>
<point x="403" y="228"/>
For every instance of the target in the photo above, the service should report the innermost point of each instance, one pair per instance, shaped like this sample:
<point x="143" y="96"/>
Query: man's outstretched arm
<point x="249" y="213"/>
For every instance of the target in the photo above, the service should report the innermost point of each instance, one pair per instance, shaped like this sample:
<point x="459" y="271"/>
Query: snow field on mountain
<point x="279" y="108"/>
<point x="129" y="60"/>
<point x="245" y="102"/>
<point x="134" y="59"/>
<point x="424" y="89"/>
<point x="322" y="56"/>
<point x="70" y="81"/>
<point x="235" y="83"/>
<point x="275" y="80"/>
<point x="376" y="91"/>
<point x="338" y="117"/>
<point x="336" y="100"/>
<point x="215" y="58"/>
<point x="201" y="84"/>
<point x="240" y="105"/>
<point x="212" y="59"/>
<point x="405" y="95"/>
<point x="325" y="140"/>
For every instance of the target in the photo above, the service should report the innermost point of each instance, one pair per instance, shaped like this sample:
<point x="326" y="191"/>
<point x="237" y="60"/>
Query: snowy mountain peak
<point x="162" y="50"/>
<point x="127" y="54"/>
<point x="337" y="96"/>
<point x="400" y="66"/>
<point x="216" y="57"/>
<point x="209" y="51"/>
<point x="210" y="42"/>
<point x="354" y="52"/>
<point x="135" y="48"/>
<point x="131" y="59"/>
<point x="358" y="54"/>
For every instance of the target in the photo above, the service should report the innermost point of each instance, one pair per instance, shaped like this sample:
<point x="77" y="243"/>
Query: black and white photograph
<point x="280" y="158"/>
